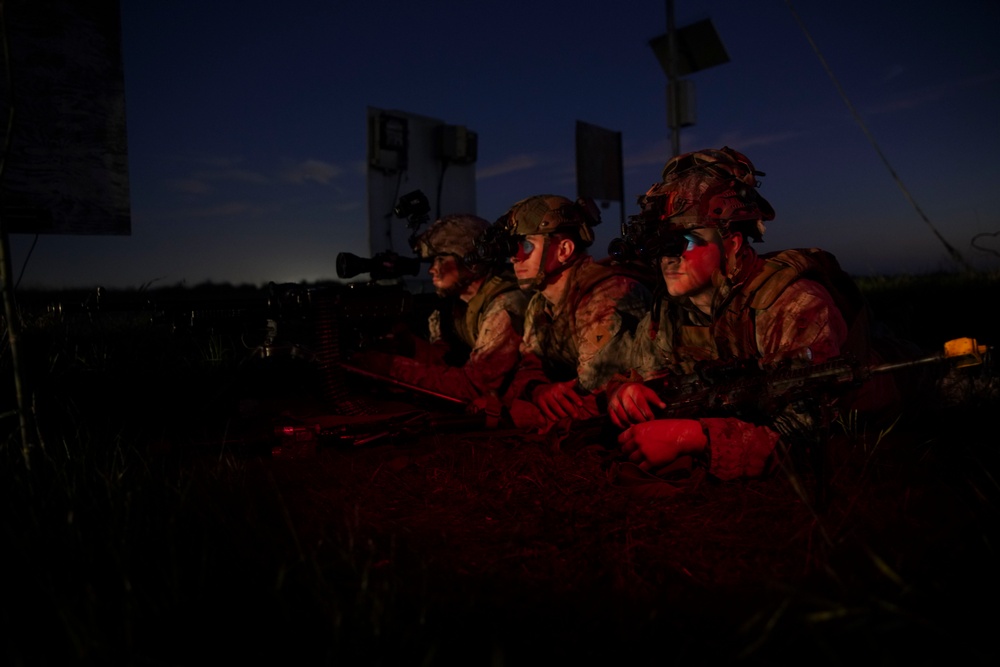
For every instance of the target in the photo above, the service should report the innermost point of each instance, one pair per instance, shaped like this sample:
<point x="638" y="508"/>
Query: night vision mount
<point x="415" y="208"/>
<point x="495" y="246"/>
<point x="642" y="240"/>
<point x="390" y="265"/>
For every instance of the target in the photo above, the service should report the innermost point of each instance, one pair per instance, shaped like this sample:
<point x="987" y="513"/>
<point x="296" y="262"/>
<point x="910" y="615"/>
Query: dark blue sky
<point x="247" y="138"/>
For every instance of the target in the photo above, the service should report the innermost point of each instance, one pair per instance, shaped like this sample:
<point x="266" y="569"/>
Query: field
<point x="158" y="517"/>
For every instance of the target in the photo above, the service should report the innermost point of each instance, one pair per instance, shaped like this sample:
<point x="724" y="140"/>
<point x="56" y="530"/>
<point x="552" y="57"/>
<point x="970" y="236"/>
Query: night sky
<point x="246" y="124"/>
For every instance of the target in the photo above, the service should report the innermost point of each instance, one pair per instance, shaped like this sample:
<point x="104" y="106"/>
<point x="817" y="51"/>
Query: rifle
<point x="748" y="390"/>
<point x="359" y="430"/>
<point x="746" y="387"/>
<point x="385" y="379"/>
<point x="381" y="427"/>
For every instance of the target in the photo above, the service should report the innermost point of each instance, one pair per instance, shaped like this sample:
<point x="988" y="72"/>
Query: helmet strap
<point x="542" y="275"/>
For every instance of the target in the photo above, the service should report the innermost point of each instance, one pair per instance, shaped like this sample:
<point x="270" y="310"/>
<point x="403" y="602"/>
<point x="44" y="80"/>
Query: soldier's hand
<point x="660" y="442"/>
<point x="558" y="400"/>
<point x="633" y="403"/>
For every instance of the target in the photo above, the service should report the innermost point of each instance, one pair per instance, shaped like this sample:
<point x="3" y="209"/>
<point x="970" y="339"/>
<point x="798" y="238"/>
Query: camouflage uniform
<point x="781" y="316"/>
<point x="577" y="332"/>
<point x="580" y="335"/>
<point x="788" y="305"/>
<point x="473" y="347"/>
<point x="490" y="325"/>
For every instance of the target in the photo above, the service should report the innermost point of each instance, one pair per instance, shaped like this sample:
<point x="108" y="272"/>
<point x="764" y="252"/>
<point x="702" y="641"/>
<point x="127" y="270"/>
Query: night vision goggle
<point x="496" y="245"/>
<point x="644" y="238"/>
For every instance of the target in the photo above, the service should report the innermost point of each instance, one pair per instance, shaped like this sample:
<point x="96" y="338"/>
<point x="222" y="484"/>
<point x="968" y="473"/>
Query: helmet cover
<point x="451" y="235"/>
<point x="707" y="188"/>
<point x="548" y="214"/>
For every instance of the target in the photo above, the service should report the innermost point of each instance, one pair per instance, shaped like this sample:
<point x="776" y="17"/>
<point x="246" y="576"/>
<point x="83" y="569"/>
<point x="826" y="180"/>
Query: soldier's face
<point x="444" y="274"/>
<point x="690" y="274"/>
<point x="530" y="257"/>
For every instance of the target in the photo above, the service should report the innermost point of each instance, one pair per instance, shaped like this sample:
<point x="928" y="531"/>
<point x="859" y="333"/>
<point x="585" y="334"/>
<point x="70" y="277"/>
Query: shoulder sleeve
<point x="434" y="326"/>
<point x="607" y="320"/>
<point x="803" y="316"/>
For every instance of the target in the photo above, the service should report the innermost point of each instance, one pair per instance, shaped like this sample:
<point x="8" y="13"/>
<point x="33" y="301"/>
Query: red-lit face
<point x="690" y="274"/>
<point x="531" y="258"/>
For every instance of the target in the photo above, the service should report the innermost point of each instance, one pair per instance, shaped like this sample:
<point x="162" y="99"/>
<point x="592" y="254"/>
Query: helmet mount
<point x="540" y="214"/>
<point x="707" y="188"/>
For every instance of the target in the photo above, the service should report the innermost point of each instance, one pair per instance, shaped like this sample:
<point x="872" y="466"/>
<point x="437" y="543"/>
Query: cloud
<point x="931" y="94"/>
<point x="234" y="175"/>
<point x="653" y="154"/>
<point x="741" y="143"/>
<point x="199" y="183"/>
<point x="352" y="205"/>
<point x="893" y="72"/>
<point x="191" y="186"/>
<point x="508" y="166"/>
<point x="312" y="170"/>
<point x="224" y="170"/>
<point x="218" y="161"/>
<point x="659" y="152"/>
<point x="226" y="210"/>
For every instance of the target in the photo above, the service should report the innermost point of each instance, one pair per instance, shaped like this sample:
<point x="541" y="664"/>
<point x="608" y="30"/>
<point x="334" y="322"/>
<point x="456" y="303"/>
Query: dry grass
<point x="154" y="528"/>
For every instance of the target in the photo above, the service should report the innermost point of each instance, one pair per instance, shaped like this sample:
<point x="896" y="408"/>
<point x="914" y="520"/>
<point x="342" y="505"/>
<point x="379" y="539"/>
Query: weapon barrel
<point x="963" y="352"/>
<point x="402" y="385"/>
<point x="757" y="389"/>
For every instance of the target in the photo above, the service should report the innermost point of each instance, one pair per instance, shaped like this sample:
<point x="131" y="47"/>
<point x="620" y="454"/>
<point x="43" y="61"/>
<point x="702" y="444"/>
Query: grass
<point x="155" y="527"/>
<point x="931" y="308"/>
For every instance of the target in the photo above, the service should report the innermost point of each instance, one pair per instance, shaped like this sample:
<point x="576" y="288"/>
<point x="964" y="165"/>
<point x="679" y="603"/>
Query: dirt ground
<point x="170" y="522"/>
<point x="510" y="548"/>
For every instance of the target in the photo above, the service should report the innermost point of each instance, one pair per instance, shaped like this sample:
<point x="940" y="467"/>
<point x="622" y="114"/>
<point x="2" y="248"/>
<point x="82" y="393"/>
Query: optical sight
<point x="386" y="265"/>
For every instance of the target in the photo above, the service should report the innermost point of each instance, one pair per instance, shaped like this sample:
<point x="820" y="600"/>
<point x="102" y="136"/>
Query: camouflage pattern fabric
<point x="451" y="235"/>
<point x="492" y="360"/>
<point x="582" y="333"/>
<point x="803" y="316"/>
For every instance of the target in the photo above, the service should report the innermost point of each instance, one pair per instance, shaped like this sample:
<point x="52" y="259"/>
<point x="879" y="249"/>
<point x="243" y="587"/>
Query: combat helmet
<point x="708" y="188"/>
<point x="705" y="188"/>
<point x="548" y="214"/>
<point x="454" y="234"/>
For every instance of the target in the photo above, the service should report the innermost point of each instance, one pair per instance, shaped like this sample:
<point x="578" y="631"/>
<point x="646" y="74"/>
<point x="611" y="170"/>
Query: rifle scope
<point x="386" y="265"/>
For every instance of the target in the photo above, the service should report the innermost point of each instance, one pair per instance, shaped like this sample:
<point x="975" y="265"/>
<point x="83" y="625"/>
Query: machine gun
<point x="325" y="323"/>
